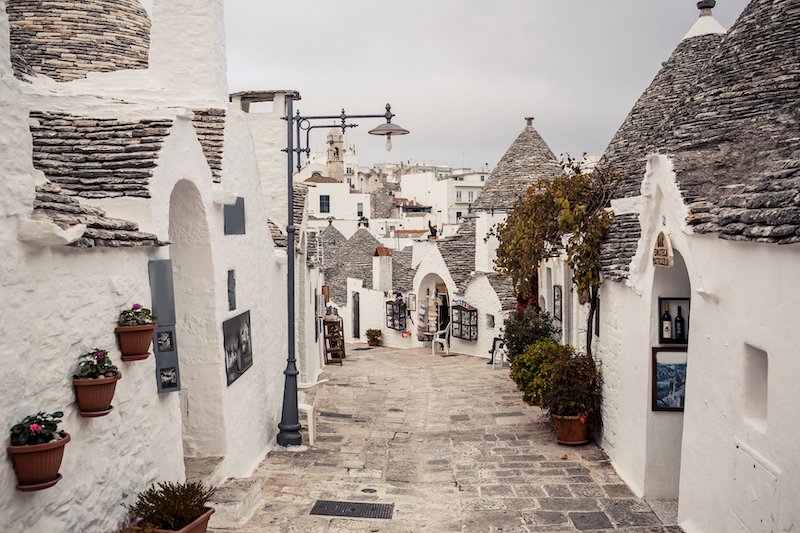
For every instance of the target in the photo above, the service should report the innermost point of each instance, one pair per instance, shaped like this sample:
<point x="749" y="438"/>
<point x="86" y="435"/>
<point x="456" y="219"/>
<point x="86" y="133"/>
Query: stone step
<point x="203" y="469"/>
<point x="235" y="502"/>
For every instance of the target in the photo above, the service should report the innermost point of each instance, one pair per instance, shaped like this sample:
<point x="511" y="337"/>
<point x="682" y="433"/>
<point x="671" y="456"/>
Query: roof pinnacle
<point x="705" y="7"/>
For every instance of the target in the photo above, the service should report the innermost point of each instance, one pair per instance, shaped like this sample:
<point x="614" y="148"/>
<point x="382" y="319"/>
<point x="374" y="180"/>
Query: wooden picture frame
<point x="668" y="376"/>
<point x="558" y="308"/>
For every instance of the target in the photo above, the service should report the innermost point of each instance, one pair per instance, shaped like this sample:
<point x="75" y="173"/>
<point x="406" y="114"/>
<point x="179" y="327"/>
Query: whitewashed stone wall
<point x="480" y="294"/>
<point x="58" y="302"/>
<point x="66" y="300"/>
<point x="736" y="468"/>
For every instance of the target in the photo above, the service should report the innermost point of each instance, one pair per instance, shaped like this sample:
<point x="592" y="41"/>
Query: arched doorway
<point x="197" y="331"/>
<point x="434" y="304"/>
<point x="669" y="363"/>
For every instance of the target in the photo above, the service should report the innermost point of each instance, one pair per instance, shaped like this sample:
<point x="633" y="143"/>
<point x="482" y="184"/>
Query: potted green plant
<point x="37" y="448"/>
<point x="374" y="337"/>
<point x="573" y="397"/>
<point x="180" y="507"/>
<point x="135" y="332"/>
<point x="95" y="383"/>
<point x="532" y="369"/>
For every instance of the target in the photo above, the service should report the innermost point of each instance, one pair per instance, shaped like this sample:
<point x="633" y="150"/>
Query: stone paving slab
<point x="450" y="443"/>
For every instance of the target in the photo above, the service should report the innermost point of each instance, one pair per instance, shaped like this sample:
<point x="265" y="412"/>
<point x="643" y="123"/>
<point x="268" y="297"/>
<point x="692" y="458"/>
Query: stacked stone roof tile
<point x="278" y="236"/>
<point x="402" y="271"/>
<point x="458" y="253"/>
<point x="643" y="129"/>
<point x="331" y="241"/>
<point x="312" y="249"/>
<point x="51" y="203"/>
<point x="736" y="141"/>
<point x="97" y="158"/>
<point x="620" y="246"/>
<point x="66" y="39"/>
<point x="504" y="288"/>
<point x="354" y="260"/>
<point x="733" y="136"/>
<point x="528" y="159"/>
<point x="210" y="127"/>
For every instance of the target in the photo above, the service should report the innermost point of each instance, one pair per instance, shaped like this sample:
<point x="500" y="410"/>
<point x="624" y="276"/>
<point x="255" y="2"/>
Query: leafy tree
<point x="566" y="214"/>
<point x="525" y="327"/>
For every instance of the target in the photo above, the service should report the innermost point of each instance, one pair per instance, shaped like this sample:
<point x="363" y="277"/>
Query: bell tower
<point x="335" y="155"/>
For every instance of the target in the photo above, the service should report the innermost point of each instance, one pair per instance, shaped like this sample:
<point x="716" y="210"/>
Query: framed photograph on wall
<point x="238" y="349"/>
<point x="669" y="378"/>
<point x="558" y="314"/>
<point x="412" y="302"/>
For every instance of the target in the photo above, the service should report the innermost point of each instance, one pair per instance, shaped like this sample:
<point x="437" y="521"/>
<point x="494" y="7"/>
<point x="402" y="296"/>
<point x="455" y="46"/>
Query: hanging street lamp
<point x="289" y="426"/>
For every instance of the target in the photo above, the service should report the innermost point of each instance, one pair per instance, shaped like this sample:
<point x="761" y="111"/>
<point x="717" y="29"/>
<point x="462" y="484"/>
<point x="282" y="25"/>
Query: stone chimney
<point x="187" y="48"/>
<point x="529" y="123"/>
<point x="382" y="269"/>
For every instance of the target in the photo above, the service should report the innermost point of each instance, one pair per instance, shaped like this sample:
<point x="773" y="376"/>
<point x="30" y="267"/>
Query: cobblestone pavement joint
<point x="450" y="443"/>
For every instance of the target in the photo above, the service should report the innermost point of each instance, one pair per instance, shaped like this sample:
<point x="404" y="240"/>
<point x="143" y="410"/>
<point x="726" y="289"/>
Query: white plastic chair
<point x="440" y="337"/>
<point x="310" y="409"/>
<point x="499" y="351"/>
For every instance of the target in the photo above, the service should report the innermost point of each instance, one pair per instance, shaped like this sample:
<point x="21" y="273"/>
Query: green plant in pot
<point x="532" y="370"/>
<point x="525" y="327"/>
<point x="95" y="383"/>
<point x="374" y="337"/>
<point x="573" y="397"/>
<point x="37" y="448"/>
<point x="135" y="332"/>
<point x="180" y="507"/>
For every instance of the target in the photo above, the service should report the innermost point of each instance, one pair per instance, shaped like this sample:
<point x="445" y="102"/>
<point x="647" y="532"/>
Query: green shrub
<point x="526" y="327"/>
<point x="171" y="505"/>
<point x="532" y="370"/>
<point x="136" y="316"/>
<point x="574" y="388"/>
<point x="373" y="334"/>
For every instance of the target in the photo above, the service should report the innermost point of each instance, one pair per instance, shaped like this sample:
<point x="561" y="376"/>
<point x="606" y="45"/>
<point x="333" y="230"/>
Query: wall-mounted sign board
<point x="662" y="252"/>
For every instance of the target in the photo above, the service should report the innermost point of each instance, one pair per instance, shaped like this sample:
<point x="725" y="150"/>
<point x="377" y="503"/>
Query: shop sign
<point x="662" y="253"/>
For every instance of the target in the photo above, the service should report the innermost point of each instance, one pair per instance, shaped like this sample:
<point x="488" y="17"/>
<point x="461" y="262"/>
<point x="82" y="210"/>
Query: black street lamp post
<point x="289" y="434"/>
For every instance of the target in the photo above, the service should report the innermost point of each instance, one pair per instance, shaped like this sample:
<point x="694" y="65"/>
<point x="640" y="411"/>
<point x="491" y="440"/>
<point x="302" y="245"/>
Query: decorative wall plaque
<point x="662" y="252"/>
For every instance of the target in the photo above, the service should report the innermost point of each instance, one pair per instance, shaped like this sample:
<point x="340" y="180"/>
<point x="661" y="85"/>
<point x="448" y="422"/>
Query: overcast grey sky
<point x="462" y="74"/>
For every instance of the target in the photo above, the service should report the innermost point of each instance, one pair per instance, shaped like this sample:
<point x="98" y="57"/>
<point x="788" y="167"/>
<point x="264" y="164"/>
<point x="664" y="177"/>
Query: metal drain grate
<point x="353" y="509"/>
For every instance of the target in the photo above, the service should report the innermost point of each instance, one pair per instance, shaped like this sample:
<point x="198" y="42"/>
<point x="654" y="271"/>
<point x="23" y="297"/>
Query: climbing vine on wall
<point x="567" y="214"/>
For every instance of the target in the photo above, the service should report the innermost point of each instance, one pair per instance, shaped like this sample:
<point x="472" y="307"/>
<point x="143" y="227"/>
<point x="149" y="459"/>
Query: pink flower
<point x="35" y="427"/>
<point x="136" y="307"/>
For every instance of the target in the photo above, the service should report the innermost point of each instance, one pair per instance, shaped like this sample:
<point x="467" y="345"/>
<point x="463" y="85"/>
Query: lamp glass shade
<point x="388" y="129"/>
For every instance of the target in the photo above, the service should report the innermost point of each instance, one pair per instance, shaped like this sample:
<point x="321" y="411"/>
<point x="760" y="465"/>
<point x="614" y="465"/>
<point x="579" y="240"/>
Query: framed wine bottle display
<point x="673" y="320"/>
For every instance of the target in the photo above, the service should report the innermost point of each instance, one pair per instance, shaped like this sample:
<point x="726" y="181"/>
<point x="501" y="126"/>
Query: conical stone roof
<point x="526" y="160"/>
<point x="642" y="129"/>
<point x="736" y="142"/>
<point x="66" y="39"/>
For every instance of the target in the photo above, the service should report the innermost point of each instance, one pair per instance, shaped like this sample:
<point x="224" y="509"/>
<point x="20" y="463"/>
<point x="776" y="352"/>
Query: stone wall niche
<point x="756" y="373"/>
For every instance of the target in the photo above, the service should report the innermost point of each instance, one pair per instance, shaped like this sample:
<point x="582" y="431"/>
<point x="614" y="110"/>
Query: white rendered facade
<point x="67" y="299"/>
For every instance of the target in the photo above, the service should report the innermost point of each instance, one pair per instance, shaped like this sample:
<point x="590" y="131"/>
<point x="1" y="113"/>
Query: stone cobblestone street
<point x="450" y="443"/>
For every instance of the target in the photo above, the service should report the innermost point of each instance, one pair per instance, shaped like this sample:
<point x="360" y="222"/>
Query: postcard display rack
<point x="334" y="339"/>
<point x="396" y="315"/>
<point x="428" y="318"/>
<point x="465" y="322"/>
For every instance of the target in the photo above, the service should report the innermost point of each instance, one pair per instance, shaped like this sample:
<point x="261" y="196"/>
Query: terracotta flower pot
<point x="134" y="341"/>
<point x="95" y="395"/>
<point x="374" y="342"/>
<point x="571" y="430"/>
<point x="198" y="526"/>
<point x="37" y="465"/>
